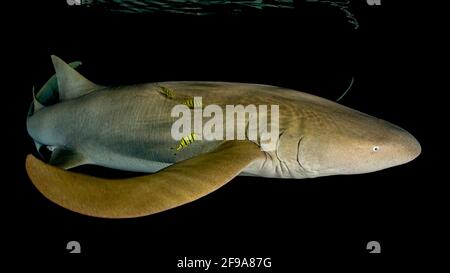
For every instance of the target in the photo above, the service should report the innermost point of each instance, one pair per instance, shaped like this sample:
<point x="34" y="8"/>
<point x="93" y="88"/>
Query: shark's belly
<point x="132" y="131"/>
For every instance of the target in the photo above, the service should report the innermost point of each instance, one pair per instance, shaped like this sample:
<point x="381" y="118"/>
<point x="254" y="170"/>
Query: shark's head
<point x="353" y="143"/>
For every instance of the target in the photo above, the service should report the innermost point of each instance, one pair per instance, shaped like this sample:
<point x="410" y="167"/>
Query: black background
<point x="313" y="49"/>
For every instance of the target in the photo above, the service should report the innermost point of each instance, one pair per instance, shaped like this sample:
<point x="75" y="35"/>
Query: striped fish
<point x="167" y="92"/>
<point x="186" y="141"/>
<point x="193" y="103"/>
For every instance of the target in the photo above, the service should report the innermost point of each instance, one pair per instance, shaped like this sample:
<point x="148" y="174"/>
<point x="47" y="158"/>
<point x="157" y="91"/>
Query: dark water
<point x="189" y="7"/>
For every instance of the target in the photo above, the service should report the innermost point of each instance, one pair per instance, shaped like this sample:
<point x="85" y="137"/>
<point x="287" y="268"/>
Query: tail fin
<point x="173" y="186"/>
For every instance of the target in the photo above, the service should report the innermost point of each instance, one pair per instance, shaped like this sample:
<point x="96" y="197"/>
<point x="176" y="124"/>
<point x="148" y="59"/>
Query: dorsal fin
<point x="71" y="84"/>
<point x="48" y="92"/>
<point x="37" y="105"/>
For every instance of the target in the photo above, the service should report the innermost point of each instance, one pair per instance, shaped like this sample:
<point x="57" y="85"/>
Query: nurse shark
<point x="129" y="128"/>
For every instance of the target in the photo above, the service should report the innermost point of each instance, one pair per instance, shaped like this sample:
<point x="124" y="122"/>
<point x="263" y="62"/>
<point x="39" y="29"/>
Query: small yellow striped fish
<point x="186" y="141"/>
<point x="191" y="103"/>
<point x="167" y="92"/>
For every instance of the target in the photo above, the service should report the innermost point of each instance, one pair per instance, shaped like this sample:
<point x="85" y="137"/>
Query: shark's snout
<point x="367" y="145"/>
<point x="409" y="148"/>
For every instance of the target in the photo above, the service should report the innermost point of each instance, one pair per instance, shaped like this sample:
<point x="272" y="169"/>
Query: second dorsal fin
<point x="71" y="84"/>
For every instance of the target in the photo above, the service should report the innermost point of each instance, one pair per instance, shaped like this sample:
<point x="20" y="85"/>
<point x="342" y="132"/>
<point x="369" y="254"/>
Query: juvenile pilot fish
<point x="186" y="141"/>
<point x="129" y="128"/>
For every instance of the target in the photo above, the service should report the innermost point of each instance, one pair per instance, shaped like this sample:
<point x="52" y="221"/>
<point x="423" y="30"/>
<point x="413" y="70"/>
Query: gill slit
<point x="282" y="167"/>
<point x="298" y="153"/>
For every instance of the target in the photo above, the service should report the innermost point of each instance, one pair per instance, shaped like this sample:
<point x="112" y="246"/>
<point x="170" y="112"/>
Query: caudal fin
<point x="173" y="186"/>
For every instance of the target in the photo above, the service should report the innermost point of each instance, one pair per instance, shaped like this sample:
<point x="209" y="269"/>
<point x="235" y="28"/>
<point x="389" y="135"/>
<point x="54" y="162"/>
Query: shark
<point x="129" y="128"/>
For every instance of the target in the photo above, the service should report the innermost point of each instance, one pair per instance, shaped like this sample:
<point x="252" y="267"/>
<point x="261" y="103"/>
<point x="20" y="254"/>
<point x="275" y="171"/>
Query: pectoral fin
<point x="173" y="186"/>
<point x="66" y="159"/>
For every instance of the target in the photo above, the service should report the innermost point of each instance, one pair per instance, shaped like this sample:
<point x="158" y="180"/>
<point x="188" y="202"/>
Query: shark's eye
<point x="375" y="148"/>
